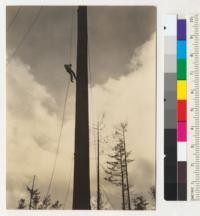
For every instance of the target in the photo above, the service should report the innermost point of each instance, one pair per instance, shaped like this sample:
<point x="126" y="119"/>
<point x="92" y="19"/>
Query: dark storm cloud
<point x="114" y="34"/>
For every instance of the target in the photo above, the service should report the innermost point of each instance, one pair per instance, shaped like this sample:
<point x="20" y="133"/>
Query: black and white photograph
<point x="80" y="107"/>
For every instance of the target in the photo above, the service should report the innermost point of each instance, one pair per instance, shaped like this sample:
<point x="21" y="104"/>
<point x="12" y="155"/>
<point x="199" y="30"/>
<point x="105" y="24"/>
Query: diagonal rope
<point x="68" y="186"/>
<point x="13" y="19"/>
<point x="59" y="139"/>
<point x="70" y="54"/>
<point x="26" y="34"/>
<point x="62" y="122"/>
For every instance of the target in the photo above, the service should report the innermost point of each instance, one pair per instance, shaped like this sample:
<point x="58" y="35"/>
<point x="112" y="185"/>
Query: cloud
<point x="33" y="125"/>
<point x="26" y="103"/>
<point x="132" y="99"/>
<point x="32" y="133"/>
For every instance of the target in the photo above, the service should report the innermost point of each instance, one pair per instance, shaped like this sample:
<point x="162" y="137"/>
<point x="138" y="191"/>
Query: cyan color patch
<point x="181" y="49"/>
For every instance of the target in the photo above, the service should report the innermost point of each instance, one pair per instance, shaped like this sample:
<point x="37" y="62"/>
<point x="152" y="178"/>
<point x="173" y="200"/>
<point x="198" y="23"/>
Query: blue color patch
<point x="181" y="49"/>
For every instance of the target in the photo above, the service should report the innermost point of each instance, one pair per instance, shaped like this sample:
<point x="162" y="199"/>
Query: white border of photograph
<point x="162" y="207"/>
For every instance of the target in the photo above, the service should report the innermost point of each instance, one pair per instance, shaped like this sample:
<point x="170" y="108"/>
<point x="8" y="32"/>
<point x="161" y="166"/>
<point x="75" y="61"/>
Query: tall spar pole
<point x="81" y="191"/>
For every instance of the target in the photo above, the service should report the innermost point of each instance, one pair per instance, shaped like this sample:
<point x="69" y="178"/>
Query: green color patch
<point x="181" y="69"/>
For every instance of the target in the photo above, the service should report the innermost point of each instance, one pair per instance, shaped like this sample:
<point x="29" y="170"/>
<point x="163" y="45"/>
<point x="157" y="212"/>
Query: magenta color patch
<point x="182" y="131"/>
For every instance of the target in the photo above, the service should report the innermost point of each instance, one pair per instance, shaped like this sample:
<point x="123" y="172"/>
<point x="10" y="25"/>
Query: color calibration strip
<point x="175" y="108"/>
<point x="182" y="107"/>
<point x="181" y="110"/>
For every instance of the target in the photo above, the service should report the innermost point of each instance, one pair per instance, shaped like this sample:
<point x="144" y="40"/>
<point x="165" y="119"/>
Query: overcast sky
<point x="122" y="46"/>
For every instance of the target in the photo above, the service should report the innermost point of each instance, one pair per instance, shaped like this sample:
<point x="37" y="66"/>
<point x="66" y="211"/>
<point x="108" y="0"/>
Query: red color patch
<point x="181" y="110"/>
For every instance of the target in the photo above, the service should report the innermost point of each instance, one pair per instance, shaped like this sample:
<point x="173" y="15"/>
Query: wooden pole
<point x="81" y="190"/>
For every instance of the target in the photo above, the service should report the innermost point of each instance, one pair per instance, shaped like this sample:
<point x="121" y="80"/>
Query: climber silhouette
<point x="68" y="68"/>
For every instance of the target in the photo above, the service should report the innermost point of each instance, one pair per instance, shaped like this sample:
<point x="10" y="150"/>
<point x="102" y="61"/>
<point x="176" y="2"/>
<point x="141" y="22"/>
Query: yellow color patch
<point x="181" y="89"/>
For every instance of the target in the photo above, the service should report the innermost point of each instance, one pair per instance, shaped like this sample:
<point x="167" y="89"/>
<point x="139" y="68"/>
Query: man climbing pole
<point x="68" y="68"/>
